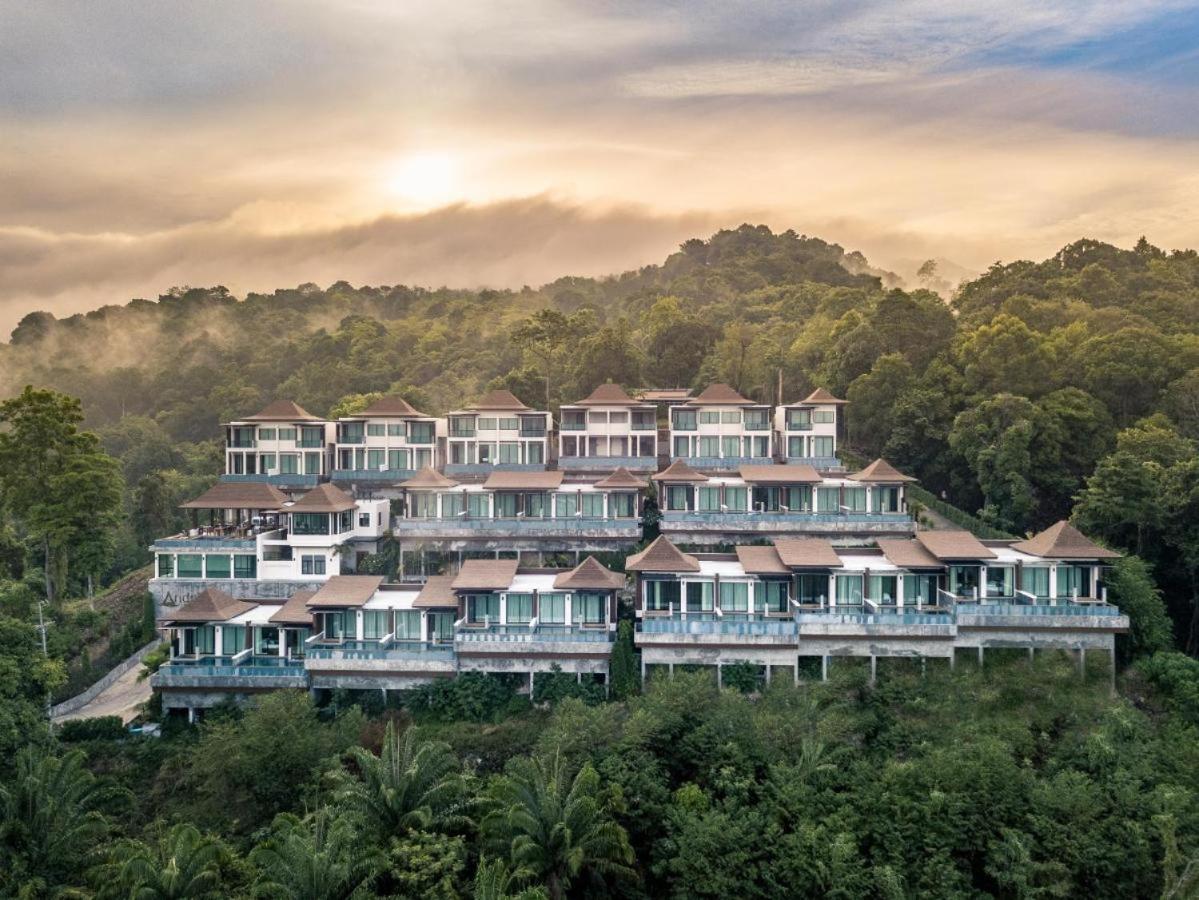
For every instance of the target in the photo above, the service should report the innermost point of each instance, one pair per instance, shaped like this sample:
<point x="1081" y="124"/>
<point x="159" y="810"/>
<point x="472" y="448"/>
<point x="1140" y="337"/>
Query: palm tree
<point x="320" y="858"/>
<point x="50" y="819"/>
<point x="493" y="881"/>
<point x="407" y="787"/>
<point x="555" y="828"/>
<point x="182" y="864"/>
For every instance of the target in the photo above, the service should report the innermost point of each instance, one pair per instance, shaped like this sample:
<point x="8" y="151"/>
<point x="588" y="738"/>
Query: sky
<point x="257" y="145"/>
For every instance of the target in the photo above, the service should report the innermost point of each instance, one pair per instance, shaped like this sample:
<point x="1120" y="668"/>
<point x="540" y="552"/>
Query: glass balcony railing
<point x="567" y="425"/>
<point x="225" y="666"/>
<point x="523" y="634"/>
<point x="377" y="649"/>
<point x="742" y="624"/>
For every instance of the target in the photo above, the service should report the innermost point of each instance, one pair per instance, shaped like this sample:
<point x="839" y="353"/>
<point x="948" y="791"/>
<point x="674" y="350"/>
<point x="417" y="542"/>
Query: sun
<point x="424" y="179"/>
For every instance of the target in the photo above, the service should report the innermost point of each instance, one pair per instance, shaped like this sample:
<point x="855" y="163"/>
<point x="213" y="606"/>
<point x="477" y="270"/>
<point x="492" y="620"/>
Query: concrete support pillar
<point x="1082" y="662"/>
<point x="797" y="671"/>
<point x="1111" y="672"/>
<point x="873" y="668"/>
<point x="1032" y="654"/>
<point x="578" y="677"/>
<point x="191" y="715"/>
<point x="824" y="668"/>
<point x="643" y="671"/>
<point x="953" y="658"/>
<point x="530" y="685"/>
<point x="980" y="657"/>
<point x="670" y="669"/>
<point x="923" y="666"/>
<point x="719" y="675"/>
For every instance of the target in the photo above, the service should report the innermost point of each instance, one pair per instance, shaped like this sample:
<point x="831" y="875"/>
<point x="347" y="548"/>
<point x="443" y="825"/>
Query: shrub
<point x="101" y="728"/>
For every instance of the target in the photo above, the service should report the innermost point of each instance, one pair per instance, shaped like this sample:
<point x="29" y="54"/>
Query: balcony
<point x="823" y="463"/>
<point x="607" y="463"/>
<point x="382" y="648"/>
<point x="241" y="444"/>
<point x="206" y="543"/>
<point x="651" y="425"/>
<point x="675" y="521"/>
<point x="529" y="634"/>
<point x="799" y="426"/>
<point x="311" y="443"/>
<point x="728" y="463"/>
<point x="720" y="623"/>
<point x="241" y="671"/>
<point x="756" y="426"/>
<point x="532" y="431"/>
<point x="484" y="469"/>
<point x="293" y="479"/>
<point x="382" y="475"/>
<point x="572" y="526"/>
<point x="566" y="425"/>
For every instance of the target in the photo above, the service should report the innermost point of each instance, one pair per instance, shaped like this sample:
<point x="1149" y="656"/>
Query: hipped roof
<point x="807" y="553"/>
<point x="437" y="592"/>
<point x="238" y="495"/>
<point x="661" y="556"/>
<point x="679" y="471"/>
<point x="821" y="396"/>
<point x="498" y="400"/>
<point x="609" y="394"/>
<point x="282" y="411"/>
<point x="295" y="610"/>
<point x="761" y="561"/>
<point x="346" y="591"/>
<point x="589" y="575"/>
<point x="788" y="474"/>
<point x="719" y="394"/>
<point x="210" y="605"/>
<point x="523" y="481"/>
<point x="953" y="545"/>
<point x="324" y="498"/>
<point x="881" y="471"/>
<point x="621" y="479"/>
<point x="907" y="554"/>
<point x="392" y="405"/>
<point x="428" y="478"/>
<point x="1063" y="541"/>
<point x="485" y="574"/>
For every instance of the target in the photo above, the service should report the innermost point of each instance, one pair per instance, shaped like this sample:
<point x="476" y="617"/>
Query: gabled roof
<point x="608" y="394"/>
<point x="346" y="591"/>
<point x="621" y="479"/>
<point x="498" y="400"/>
<point x="679" y="471"/>
<point x="438" y="592"/>
<point x="589" y="575"/>
<point x="428" y="479"/>
<point x="907" y="554"/>
<point x="238" y="495"/>
<point x="881" y="471"/>
<point x="821" y="396"/>
<point x="210" y="605"/>
<point x="807" y="553"/>
<point x="324" y="498"/>
<point x="295" y="610"/>
<point x="761" y="561"/>
<point x="661" y="556"/>
<point x="523" y="481"/>
<point x="281" y="411"/>
<point x="719" y="394"/>
<point x="392" y="405"/>
<point x="953" y="545"/>
<point x="789" y="474"/>
<point x="1063" y="541"/>
<point x="485" y="574"/>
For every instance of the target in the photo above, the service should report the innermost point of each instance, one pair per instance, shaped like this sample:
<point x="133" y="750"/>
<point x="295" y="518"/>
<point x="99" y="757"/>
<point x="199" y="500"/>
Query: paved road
<point x="123" y="698"/>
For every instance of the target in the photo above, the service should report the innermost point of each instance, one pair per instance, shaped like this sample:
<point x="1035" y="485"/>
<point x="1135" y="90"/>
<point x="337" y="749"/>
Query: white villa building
<point x="283" y="444"/>
<point x="720" y="429"/>
<point x="806" y="431"/>
<point x="385" y="443"/>
<point x="606" y="431"/>
<point x="498" y="432"/>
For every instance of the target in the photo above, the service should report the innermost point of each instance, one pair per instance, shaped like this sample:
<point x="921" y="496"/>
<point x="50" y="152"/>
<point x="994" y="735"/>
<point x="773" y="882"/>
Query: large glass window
<point x="266" y="434"/>
<point x="233" y="640"/>
<point x="772" y="596"/>
<point x="684" y="419"/>
<point x="699" y="596"/>
<point x="287" y="434"/>
<point x="799" y="420"/>
<point x="310" y="523"/>
<point x="709" y="417"/>
<point x="730" y="446"/>
<point x="822" y="446"/>
<point x="422" y="505"/>
<point x="566" y="505"/>
<point x="441" y="626"/>
<point x="551" y="609"/>
<point x="1035" y="580"/>
<point x="191" y="565"/>
<point x="245" y="565"/>
<point x="217" y="566"/>
<point x="795" y="448"/>
<point x="407" y="625"/>
<point x="734" y="596"/>
<point x="375" y="624"/>
<point x="289" y="464"/>
<point x="205" y="638"/>
<point x="682" y="446"/>
<point x="799" y="498"/>
<point x="376" y="429"/>
<point x="451" y="506"/>
<point x="963" y="581"/>
<point x="1000" y="581"/>
<point x="478" y="505"/>
<point x="588" y="608"/>
<point x="482" y="608"/>
<point x="509" y="452"/>
<point x="312" y="436"/>
<point x="883" y="590"/>
<point x="709" y="499"/>
<point x="593" y="505"/>
<point x="623" y="504"/>
<point x="395" y="429"/>
<point x="486" y="423"/>
<point x="312" y="464"/>
<point x="824" y="416"/>
<point x="736" y="498"/>
<point x="920" y="590"/>
<point x="166" y="565"/>
<point x="828" y="499"/>
<point x="854" y="499"/>
<point x="849" y="590"/>
<point x="266" y="462"/>
<point x="420" y="432"/>
<point x="678" y="496"/>
<point x="505" y="505"/>
<point x="375" y="458"/>
<point x="351" y="432"/>
<point x="537" y="506"/>
<point x="266" y="641"/>
<point x="709" y="446"/>
<point x="662" y="596"/>
<point x="886" y="499"/>
<point x="397" y="460"/>
<point x="811" y="589"/>
<point x="756" y="419"/>
<point x="732" y="417"/>
<point x="311" y="564"/>
<point x="534" y="453"/>
<point x="520" y="609"/>
<point x="1073" y="581"/>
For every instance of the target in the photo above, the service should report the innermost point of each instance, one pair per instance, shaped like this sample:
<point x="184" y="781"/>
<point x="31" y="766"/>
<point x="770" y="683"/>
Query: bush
<point x="101" y="728"/>
<point x="550" y="687"/>
<point x="625" y="672"/>
<point x="742" y="676"/>
<point x="473" y="696"/>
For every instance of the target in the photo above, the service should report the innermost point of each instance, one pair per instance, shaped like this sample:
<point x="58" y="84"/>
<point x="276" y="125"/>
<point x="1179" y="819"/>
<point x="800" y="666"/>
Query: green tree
<point x="494" y="881"/>
<point x="410" y="786"/>
<point x="555" y="827"/>
<point x="623" y="669"/>
<point x="1131" y="587"/>
<point x="874" y="398"/>
<point x="183" y="863"/>
<point x="317" y="858"/>
<point x="1004" y="357"/>
<point x="996" y="438"/>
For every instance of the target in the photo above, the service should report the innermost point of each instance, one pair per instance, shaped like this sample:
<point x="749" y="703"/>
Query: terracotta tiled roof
<point x="589" y="575"/>
<point x="347" y="591"/>
<point x="438" y="592"/>
<point x="608" y="394"/>
<point x="499" y="400"/>
<point x="428" y="478"/>
<point x="761" y="561"/>
<point x="821" y="396"/>
<point x="953" y="545"/>
<point x="661" y="556"/>
<point x="1063" y="541"/>
<point x="719" y="394"/>
<point x="807" y="553"/>
<point x="325" y="498"/>
<point x="790" y="474"/>
<point x="908" y="554"/>
<point x="281" y="411"/>
<point x="392" y="405"/>
<point x="523" y="481"/>
<point x="238" y="495"/>
<point x="679" y="471"/>
<point x="210" y="605"/>
<point x="485" y="574"/>
<point x="295" y="610"/>
<point x="653" y="395"/>
<point x="621" y="479"/>
<point x="881" y="471"/>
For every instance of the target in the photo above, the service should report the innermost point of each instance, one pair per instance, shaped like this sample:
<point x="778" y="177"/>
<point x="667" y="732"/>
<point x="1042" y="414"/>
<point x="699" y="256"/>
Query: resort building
<point x="498" y="432"/>
<point x="925" y="597"/>
<point x="606" y="431"/>
<point x="807" y="431"/>
<point x="283" y="444"/>
<point x="720" y="430"/>
<point x="385" y="443"/>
